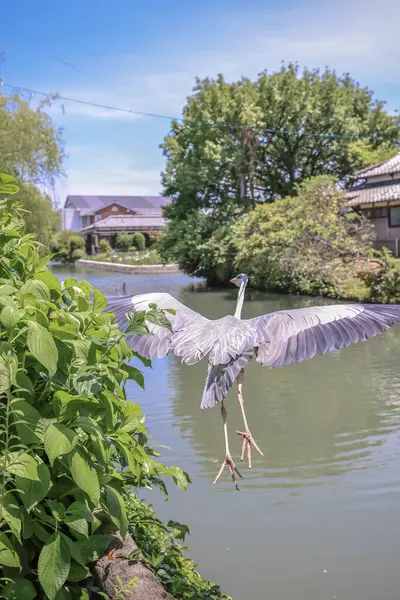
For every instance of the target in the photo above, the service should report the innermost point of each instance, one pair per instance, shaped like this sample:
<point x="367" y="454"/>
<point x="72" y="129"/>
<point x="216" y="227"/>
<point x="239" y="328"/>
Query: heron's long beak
<point x="234" y="280"/>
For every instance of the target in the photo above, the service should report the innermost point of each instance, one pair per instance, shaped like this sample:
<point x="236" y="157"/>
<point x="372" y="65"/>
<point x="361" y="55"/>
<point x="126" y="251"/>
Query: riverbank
<point x="132" y="269"/>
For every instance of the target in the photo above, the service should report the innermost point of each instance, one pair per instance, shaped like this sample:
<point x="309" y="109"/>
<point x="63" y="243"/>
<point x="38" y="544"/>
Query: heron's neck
<point x="239" y="303"/>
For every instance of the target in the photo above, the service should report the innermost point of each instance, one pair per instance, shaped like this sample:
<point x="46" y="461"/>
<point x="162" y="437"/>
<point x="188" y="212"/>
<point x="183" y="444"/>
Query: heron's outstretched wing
<point x="292" y="336"/>
<point x="158" y="343"/>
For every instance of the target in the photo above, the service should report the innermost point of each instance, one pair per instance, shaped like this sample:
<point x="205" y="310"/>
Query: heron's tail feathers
<point x="220" y="379"/>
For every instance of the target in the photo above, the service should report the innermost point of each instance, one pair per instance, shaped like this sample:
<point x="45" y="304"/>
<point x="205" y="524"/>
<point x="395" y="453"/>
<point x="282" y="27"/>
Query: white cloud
<point x="347" y="37"/>
<point x="102" y="171"/>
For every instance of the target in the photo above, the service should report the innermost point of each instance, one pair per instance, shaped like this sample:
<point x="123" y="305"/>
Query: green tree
<point x="139" y="241"/>
<point x="124" y="241"/>
<point x="250" y="142"/>
<point x="68" y="246"/>
<point x="31" y="148"/>
<point x="40" y="217"/>
<point x="362" y="154"/>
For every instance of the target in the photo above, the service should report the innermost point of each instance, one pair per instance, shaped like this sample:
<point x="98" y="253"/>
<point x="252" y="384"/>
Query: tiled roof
<point x="139" y="203"/>
<point x="386" y="167"/>
<point x="366" y="195"/>
<point x="126" y="222"/>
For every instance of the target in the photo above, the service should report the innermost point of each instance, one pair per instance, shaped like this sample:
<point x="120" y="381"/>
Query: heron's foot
<point x="247" y="444"/>
<point x="233" y="470"/>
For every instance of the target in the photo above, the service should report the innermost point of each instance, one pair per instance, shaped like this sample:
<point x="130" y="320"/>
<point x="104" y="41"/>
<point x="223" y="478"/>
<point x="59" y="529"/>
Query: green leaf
<point x="64" y="331"/>
<point x="95" y="547"/>
<point x="7" y="290"/>
<point x="99" y="301"/>
<point x="81" y="349"/>
<point x="23" y="465"/>
<point x="40" y="532"/>
<point x="8" y="366"/>
<point x="33" y="491"/>
<point x="79" y="509"/>
<point x="145" y="361"/>
<point x="25" y="385"/>
<point x="115" y="506"/>
<point x="59" y="440"/>
<point x="8" y="555"/>
<point x="19" y="589"/>
<point x="88" y="384"/>
<point x="27" y="421"/>
<point x="36" y="288"/>
<point x="42" y="346"/>
<point x="57" y="509"/>
<point x="77" y="525"/>
<point x="84" y="475"/>
<point x="74" y="549"/>
<point x="8" y="184"/>
<point x="78" y="573"/>
<point x="63" y="594"/>
<point x="10" y="315"/>
<point x="53" y="565"/>
<point x="50" y="280"/>
<point x="11" y="513"/>
<point x="134" y="374"/>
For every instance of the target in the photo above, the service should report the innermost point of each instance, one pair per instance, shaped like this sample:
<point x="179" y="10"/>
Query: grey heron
<point x="276" y="339"/>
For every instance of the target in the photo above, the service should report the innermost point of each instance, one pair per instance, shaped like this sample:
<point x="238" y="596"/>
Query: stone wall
<point x="120" y="268"/>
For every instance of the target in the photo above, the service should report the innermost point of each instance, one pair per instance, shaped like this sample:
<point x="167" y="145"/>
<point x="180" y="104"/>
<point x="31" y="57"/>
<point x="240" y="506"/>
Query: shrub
<point x="75" y="242"/>
<point x="105" y="247"/>
<point x="154" y="236"/>
<point x="305" y="244"/>
<point x="384" y="283"/>
<point x="71" y="446"/>
<point x="68" y="246"/>
<point x="124" y="240"/>
<point x="139" y="241"/>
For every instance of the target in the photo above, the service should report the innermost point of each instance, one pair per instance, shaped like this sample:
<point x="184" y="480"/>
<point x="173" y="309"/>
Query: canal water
<point x="318" y="516"/>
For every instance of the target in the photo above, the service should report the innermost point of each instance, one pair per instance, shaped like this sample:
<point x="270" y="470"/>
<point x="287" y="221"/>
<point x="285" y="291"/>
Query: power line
<point x="169" y="118"/>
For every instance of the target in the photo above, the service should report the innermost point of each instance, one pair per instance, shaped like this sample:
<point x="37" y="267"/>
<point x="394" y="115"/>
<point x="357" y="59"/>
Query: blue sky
<point x="146" y="55"/>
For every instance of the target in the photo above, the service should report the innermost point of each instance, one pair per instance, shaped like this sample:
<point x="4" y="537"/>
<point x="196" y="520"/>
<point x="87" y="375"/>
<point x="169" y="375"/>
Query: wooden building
<point x="377" y="195"/>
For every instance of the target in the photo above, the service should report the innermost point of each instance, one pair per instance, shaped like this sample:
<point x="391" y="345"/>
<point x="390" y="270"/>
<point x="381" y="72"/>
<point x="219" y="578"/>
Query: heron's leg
<point x="248" y="440"/>
<point x="228" y="462"/>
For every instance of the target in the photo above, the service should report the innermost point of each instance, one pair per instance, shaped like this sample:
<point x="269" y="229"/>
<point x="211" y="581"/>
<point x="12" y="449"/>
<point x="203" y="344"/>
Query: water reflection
<point x="317" y="517"/>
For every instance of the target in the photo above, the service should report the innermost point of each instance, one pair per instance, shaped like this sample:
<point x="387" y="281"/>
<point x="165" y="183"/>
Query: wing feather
<point x="292" y="336"/>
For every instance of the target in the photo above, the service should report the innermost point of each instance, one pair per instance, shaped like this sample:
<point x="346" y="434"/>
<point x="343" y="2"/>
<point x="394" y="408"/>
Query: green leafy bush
<point x="139" y="241"/>
<point x="305" y="244"/>
<point x="124" y="240"/>
<point x="384" y="282"/>
<point x="68" y="246"/>
<point x="105" y="247"/>
<point x="70" y="443"/>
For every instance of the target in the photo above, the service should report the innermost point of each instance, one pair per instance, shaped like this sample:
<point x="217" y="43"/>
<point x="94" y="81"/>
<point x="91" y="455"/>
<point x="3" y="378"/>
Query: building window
<point x="114" y="208"/>
<point x="379" y="212"/>
<point x="394" y="216"/>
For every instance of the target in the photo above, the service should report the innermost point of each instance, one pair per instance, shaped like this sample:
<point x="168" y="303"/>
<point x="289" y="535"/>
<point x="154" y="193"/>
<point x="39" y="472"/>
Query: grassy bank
<point x="137" y="257"/>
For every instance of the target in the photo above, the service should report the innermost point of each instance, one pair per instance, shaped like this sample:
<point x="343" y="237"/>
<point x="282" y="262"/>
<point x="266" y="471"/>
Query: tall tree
<point x="40" y="217"/>
<point x="249" y="142"/>
<point x="31" y="150"/>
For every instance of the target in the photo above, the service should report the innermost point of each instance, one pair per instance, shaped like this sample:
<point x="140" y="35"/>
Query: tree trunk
<point x="132" y="580"/>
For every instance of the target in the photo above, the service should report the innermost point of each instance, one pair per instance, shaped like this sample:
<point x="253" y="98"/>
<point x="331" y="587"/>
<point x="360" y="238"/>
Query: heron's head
<point x="240" y="279"/>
